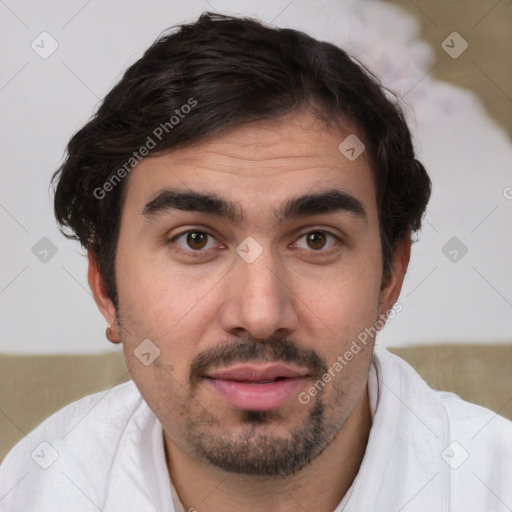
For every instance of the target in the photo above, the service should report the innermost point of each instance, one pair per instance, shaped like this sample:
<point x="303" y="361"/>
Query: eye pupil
<point x="316" y="240"/>
<point x="196" y="240"/>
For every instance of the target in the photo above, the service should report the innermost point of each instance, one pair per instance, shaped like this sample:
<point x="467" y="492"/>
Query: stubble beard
<point x="258" y="449"/>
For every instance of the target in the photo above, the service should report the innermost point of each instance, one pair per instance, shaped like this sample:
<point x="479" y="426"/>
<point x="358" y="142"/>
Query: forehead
<point x="259" y="163"/>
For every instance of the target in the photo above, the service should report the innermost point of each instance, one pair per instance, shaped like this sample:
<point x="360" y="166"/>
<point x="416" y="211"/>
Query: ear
<point x="391" y="291"/>
<point x="103" y="301"/>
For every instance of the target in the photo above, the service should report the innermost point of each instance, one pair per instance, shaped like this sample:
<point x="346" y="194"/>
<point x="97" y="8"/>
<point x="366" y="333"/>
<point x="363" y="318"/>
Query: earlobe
<point x="103" y="301"/>
<point x="391" y="291"/>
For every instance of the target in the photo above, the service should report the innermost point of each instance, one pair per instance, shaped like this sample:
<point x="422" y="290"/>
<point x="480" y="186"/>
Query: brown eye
<point x="316" y="240"/>
<point x="319" y="241"/>
<point x="197" y="240"/>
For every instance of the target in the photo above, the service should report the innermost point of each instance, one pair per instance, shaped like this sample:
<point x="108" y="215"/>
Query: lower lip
<point x="257" y="397"/>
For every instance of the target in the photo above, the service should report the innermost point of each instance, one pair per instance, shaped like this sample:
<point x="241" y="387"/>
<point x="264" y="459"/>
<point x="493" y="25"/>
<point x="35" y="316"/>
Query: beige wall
<point x="486" y="66"/>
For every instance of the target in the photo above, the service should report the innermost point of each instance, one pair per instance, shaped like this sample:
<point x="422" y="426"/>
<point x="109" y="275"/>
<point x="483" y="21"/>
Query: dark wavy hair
<point x="237" y="70"/>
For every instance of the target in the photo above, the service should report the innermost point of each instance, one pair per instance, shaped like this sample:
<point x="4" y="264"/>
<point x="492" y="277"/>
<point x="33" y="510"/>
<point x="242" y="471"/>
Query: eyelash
<point x="202" y="253"/>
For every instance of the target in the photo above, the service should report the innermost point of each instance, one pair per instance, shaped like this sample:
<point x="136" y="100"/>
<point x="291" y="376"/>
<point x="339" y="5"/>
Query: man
<point x="246" y="196"/>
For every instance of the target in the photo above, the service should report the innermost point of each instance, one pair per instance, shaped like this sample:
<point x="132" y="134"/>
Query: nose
<point x="259" y="301"/>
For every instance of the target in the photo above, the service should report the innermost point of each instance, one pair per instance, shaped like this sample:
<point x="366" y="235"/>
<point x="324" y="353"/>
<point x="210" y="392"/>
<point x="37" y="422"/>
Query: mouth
<point x="257" y="387"/>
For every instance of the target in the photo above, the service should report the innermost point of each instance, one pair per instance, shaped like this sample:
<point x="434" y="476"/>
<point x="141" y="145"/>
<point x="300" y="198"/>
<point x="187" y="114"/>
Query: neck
<point x="319" y="486"/>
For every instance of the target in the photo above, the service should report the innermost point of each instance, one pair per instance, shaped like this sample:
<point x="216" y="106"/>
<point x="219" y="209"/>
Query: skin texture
<point x="296" y="300"/>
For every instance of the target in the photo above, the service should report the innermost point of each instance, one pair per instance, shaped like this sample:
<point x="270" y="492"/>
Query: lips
<point x="257" y="387"/>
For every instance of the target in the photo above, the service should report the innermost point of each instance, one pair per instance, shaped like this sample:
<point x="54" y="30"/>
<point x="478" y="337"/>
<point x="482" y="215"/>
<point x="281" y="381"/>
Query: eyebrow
<point x="329" y="201"/>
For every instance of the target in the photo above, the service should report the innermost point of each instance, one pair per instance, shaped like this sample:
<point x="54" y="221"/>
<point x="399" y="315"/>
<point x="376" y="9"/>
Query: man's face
<point x="251" y="303"/>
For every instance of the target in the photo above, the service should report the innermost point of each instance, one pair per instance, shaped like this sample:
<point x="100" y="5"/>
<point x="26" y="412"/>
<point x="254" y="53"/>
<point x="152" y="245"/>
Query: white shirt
<point x="428" y="451"/>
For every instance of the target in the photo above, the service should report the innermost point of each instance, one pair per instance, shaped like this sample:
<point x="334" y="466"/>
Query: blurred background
<point x="449" y="62"/>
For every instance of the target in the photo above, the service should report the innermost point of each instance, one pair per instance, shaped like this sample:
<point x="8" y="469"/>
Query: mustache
<point x="276" y="349"/>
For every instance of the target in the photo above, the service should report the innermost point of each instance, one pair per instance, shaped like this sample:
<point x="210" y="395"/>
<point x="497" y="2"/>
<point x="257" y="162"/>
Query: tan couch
<point x="33" y="387"/>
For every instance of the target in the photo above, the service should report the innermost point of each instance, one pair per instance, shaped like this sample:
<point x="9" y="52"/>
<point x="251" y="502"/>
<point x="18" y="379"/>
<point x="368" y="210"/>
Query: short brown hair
<point x="237" y="70"/>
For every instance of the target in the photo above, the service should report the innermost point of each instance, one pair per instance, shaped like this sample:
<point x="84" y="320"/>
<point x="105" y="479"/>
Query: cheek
<point x="158" y="295"/>
<point x="154" y="304"/>
<point x="350" y="310"/>
<point x="345" y="299"/>
<point x="342" y="310"/>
